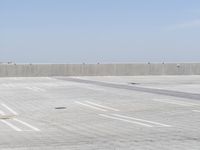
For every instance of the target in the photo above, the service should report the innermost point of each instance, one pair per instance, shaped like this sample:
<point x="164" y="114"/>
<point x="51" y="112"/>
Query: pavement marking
<point x="106" y="107"/>
<point x="87" y="105"/>
<point x="26" y="124"/>
<point x="17" y="120"/>
<point x="39" y="89"/>
<point x="196" y="111"/>
<point x="125" y="120"/>
<point x="175" y="102"/>
<point x="4" y="116"/>
<point x="1" y="112"/>
<point x="92" y="88"/>
<point x="29" y="88"/>
<point x="12" y="85"/>
<point x="142" y="120"/>
<point x="4" y="105"/>
<point x="36" y="89"/>
<point x="11" y="125"/>
<point x="8" y="85"/>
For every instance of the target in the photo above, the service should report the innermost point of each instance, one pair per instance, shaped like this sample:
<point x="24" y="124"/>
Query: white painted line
<point x="5" y="85"/>
<point x="36" y="89"/>
<point x="175" y="102"/>
<point x="29" y="88"/>
<point x="106" y="107"/>
<point x="90" y="106"/>
<point x="10" y="85"/>
<point x="196" y="111"/>
<point x="4" y="105"/>
<point x="26" y="124"/>
<point x="11" y="125"/>
<point x="142" y="120"/>
<point x="39" y="89"/>
<point x="125" y="120"/>
<point x="93" y="88"/>
<point x="1" y="112"/>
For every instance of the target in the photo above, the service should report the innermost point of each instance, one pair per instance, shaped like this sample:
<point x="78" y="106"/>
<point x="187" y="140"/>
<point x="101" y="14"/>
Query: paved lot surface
<point x="95" y="113"/>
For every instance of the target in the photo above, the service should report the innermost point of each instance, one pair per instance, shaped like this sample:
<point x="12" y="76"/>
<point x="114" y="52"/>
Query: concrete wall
<point x="39" y="70"/>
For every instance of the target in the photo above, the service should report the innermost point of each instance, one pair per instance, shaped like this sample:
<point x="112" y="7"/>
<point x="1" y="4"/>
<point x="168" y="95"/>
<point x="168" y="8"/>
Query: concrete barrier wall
<point x="42" y="70"/>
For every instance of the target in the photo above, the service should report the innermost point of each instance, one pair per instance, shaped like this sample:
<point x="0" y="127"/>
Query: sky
<point x="99" y="31"/>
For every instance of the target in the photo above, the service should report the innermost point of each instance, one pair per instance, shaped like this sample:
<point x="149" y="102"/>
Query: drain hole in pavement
<point x="60" y="107"/>
<point x="133" y="83"/>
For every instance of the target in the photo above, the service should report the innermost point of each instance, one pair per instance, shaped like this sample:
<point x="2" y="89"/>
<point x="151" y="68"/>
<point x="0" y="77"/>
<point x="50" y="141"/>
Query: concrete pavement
<point x="66" y="113"/>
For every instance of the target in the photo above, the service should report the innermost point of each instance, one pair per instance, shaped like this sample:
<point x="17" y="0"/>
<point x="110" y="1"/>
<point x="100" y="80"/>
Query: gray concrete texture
<point x="42" y="70"/>
<point x="100" y="113"/>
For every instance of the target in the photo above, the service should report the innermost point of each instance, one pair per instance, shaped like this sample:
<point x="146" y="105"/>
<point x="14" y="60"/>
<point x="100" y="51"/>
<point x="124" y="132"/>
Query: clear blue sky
<point x="105" y="31"/>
